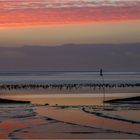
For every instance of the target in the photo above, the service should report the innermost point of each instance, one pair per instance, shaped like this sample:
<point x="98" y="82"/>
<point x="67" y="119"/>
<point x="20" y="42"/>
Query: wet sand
<point x="80" y="120"/>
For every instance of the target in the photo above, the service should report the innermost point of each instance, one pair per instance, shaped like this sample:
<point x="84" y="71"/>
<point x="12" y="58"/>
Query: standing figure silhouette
<point x="102" y="76"/>
<point x="101" y="72"/>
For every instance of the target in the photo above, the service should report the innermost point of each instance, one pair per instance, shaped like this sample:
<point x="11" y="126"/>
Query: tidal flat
<point x="69" y="117"/>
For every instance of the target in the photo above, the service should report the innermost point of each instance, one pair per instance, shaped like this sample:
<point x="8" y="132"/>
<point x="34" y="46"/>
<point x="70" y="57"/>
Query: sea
<point x="66" y="77"/>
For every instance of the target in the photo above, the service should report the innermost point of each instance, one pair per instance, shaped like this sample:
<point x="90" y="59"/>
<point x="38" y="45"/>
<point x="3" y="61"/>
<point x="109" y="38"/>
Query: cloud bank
<point x="121" y="57"/>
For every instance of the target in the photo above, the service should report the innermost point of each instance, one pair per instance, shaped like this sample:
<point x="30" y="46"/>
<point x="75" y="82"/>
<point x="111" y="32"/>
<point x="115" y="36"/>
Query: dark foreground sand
<point x="130" y="100"/>
<point x="8" y="101"/>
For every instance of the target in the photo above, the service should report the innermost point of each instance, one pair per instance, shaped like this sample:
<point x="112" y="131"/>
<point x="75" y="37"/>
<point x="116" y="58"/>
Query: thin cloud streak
<point x="37" y="4"/>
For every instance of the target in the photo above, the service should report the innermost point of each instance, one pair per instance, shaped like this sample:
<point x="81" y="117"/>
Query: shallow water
<point x="33" y="121"/>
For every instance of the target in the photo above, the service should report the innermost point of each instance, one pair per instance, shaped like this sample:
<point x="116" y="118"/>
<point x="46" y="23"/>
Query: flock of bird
<point x="65" y="86"/>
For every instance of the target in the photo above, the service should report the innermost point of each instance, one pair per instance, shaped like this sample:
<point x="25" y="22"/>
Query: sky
<point x="55" y="22"/>
<point x="44" y="35"/>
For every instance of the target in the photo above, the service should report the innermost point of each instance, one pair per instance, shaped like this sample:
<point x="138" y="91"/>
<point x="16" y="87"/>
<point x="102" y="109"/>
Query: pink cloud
<point x="46" y="12"/>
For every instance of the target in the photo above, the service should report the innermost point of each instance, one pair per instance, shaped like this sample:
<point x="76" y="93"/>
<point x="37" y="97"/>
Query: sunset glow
<point x="56" y="22"/>
<point x="55" y="12"/>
